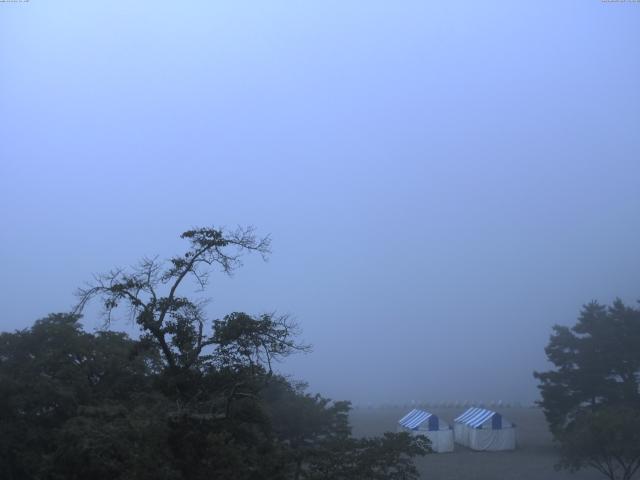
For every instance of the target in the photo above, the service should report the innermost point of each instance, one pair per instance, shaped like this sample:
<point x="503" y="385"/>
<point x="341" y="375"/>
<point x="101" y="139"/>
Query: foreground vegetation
<point x="193" y="399"/>
<point x="188" y="399"/>
<point x="592" y="397"/>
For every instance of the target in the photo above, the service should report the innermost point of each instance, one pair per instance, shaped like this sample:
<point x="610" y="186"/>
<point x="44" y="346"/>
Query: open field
<point x="533" y="460"/>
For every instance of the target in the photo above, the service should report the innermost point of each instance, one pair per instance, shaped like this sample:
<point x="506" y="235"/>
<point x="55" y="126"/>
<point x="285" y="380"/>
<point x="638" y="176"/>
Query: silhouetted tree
<point x="151" y="291"/>
<point x="592" y="399"/>
<point x="189" y="400"/>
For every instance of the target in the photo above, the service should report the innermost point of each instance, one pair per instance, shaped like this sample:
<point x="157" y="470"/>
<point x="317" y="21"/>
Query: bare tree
<point x="151" y="290"/>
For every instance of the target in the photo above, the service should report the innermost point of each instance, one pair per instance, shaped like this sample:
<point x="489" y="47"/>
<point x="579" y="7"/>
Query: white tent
<point x="419" y="422"/>
<point x="481" y="429"/>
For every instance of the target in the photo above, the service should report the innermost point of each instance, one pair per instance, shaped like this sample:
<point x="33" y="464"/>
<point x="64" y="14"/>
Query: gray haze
<point x="443" y="181"/>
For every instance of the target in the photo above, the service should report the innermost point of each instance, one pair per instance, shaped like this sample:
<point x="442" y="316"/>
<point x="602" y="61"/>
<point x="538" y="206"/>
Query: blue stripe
<point x="496" y="422"/>
<point x="480" y="418"/>
<point x="407" y="416"/>
<point x="417" y="419"/>
<point x="468" y="413"/>
<point x="414" y="418"/>
<point x="434" y="423"/>
<point x="474" y="417"/>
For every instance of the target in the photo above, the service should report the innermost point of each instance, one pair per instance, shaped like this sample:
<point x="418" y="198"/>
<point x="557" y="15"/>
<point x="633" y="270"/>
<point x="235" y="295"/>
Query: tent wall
<point x="461" y="433"/>
<point x="492" y="440"/>
<point x="494" y="433"/>
<point x="441" y="440"/>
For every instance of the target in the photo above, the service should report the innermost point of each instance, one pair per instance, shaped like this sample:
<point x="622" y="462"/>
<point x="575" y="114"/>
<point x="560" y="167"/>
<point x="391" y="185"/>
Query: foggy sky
<point x="443" y="181"/>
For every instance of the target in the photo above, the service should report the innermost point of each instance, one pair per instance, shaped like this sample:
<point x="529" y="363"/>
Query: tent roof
<point x="414" y="418"/>
<point x="474" y="416"/>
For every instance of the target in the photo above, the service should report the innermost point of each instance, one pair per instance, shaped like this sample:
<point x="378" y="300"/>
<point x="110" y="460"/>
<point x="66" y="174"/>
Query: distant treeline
<point x="446" y="404"/>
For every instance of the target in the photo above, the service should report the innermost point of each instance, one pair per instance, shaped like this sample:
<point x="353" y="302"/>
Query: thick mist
<point x="443" y="182"/>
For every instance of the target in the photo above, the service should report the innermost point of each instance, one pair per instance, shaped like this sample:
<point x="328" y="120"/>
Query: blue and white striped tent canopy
<point x="416" y="417"/>
<point x="474" y="417"/>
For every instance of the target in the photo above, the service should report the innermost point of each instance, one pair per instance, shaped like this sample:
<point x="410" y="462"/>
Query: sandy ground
<point x="533" y="460"/>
